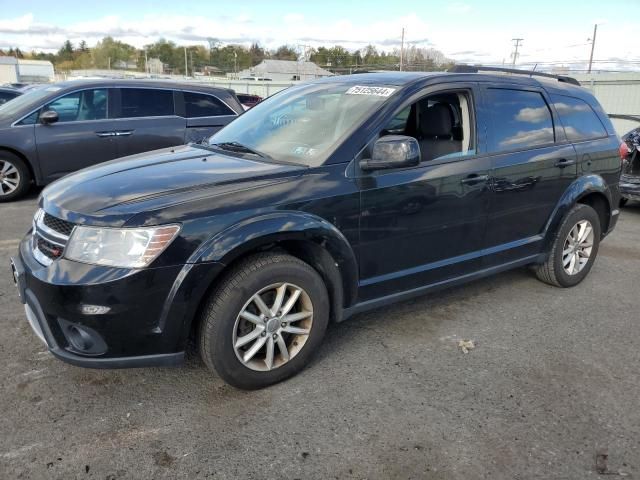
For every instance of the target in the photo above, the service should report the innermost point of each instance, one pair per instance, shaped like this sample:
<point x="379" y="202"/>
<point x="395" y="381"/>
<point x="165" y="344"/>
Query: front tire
<point x="15" y="177"/>
<point x="574" y="248"/>
<point x="264" y="321"/>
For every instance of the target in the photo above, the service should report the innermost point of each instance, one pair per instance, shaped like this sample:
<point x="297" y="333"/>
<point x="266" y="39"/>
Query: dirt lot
<point x="553" y="381"/>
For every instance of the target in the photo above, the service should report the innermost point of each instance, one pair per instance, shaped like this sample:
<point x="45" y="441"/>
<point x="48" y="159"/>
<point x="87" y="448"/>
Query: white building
<point x="14" y="70"/>
<point x="155" y="66"/>
<point x="284" y="70"/>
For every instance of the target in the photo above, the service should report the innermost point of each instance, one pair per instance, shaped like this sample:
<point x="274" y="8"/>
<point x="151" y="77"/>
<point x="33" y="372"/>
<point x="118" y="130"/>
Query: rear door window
<point x="578" y="118"/>
<point x="145" y="102"/>
<point x="202" y="105"/>
<point x="521" y="119"/>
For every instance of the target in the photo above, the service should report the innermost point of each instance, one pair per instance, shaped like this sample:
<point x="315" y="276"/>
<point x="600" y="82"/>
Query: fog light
<point x="94" y="309"/>
<point x="82" y="339"/>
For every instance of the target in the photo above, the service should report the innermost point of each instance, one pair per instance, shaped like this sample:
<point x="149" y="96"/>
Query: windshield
<point x="303" y="124"/>
<point x="29" y="99"/>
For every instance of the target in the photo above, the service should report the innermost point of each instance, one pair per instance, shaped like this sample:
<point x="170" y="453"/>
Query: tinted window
<point x="520" y="119"/>
<point x="579" y="120"/>
<point x="81" y="106"/>
<point x="146" y="102"/>
<point x="200" y="105"/>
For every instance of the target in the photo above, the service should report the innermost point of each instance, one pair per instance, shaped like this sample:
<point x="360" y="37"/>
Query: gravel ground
<point x="552" y="383"/>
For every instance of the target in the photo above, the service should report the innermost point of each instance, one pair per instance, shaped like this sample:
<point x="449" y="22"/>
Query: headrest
<point x="436" y="121"/>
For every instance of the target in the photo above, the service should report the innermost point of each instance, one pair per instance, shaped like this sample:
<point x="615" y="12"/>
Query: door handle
<point x="564" y="162"/>
<point x="474" y="178"/>
<point x="123" y="133"/>
<point x="106" y="134"/>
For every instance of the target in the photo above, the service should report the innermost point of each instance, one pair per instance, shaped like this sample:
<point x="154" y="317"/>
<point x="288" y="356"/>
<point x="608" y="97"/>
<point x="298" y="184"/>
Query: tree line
<point x="114" y="54"/>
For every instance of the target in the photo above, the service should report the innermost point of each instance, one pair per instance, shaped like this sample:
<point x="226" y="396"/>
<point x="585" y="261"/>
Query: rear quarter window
<point x="201" y="105"/>
<point x="521" y="119"/>
<point x="579" y="120"/>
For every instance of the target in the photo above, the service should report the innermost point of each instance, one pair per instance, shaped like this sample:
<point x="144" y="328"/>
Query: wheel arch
<point x="35" y="177"/>
<point x="589" y="190"/>
<point x="303" y="235"/>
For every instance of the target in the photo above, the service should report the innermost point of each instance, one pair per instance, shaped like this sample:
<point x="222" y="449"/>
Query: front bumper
<point x="630" y="187"/>
<point x="145" y="320"/>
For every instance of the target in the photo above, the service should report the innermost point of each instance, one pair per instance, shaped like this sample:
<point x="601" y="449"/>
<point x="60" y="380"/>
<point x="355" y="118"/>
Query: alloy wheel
<point x="577" y="247"/>
<point x="273" y="326"/>
<point x="9" y="177"/>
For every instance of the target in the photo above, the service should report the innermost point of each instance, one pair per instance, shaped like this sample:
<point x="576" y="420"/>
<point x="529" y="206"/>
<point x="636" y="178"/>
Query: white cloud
<point x="293" y="18"/>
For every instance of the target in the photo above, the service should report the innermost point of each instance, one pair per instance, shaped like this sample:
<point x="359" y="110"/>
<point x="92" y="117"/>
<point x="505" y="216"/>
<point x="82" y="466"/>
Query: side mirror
<point x="393" y="151"/>
<point x="48" y="117"/>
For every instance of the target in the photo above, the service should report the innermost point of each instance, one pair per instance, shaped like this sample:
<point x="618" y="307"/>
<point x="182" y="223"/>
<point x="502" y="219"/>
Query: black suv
<point x="56" y="129"/>
<point x="327" y="199"/>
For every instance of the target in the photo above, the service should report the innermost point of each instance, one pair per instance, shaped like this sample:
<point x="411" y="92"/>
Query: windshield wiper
<point x="238" y="147"/>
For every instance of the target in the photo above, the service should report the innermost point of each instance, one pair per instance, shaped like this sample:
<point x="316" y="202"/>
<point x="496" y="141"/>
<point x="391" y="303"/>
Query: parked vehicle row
<point x="53" y="130"/>
<point x="327" y="199"/>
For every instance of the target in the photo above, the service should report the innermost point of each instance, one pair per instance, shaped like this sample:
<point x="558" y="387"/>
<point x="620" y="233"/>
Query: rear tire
<point x="574" y="248"/>
<point x="275" y="347"/>
<point x="15" y="178"/>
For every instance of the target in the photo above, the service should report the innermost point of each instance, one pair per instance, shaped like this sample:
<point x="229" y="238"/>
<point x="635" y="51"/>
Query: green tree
<point x="66" y="52"/>
<point x="285" y="52"/>
<point x="109" y="51"/>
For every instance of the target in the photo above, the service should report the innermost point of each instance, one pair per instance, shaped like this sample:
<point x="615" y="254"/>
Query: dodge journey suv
<point x="328" y="199"/>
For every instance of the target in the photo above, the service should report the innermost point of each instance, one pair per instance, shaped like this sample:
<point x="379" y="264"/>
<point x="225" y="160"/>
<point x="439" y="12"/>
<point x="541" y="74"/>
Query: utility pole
<point x="146" y="62"/>
<point x="186" y="71"/>
<point x="593" y="46"/>
<point x="401" y="49"/>
<point x="235" y="64"/>
<point x="518" y="42"/>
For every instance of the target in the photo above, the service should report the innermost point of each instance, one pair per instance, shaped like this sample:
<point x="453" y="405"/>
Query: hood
<point x="112" y="192"/>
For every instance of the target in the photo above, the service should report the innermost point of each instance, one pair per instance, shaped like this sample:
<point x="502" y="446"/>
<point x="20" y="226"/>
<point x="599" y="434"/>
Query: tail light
<point x="624" y="151"/>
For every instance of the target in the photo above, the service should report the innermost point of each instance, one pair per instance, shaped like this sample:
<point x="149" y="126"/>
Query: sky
<point x="468" y="31"/>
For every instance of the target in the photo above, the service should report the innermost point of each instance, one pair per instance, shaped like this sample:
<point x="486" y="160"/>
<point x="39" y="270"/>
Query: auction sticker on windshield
<point x="377" y="91"/>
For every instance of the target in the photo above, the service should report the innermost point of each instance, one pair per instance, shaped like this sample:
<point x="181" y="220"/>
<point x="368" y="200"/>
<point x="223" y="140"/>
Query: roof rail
<point x="531" y="73"/>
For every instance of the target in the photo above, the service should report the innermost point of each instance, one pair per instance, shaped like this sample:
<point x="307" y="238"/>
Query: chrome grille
<point x="50" y="237"/>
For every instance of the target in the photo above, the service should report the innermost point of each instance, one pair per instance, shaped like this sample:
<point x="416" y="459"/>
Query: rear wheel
<point x="14" y="177"/>
<point x="574" y="249"/>
<point x="264" y="321"/>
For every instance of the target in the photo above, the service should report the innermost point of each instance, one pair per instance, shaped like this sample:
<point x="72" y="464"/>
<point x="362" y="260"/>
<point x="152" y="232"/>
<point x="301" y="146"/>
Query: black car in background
<point x="327" y="199"/>
<point x="248" y="100"/>
<point x="8" y="93"/>
<point x="56" y="129"/>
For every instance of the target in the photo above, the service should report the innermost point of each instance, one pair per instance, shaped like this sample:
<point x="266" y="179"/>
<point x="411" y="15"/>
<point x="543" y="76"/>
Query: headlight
<point x="119" y="247"/>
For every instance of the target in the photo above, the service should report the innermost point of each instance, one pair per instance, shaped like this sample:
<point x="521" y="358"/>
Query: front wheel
<point x="15" y="178"/>
<point x="264" y="321"/>
<point x="574" y="249"/>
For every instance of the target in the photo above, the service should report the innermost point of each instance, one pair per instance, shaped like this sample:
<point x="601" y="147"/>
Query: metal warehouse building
<point x="618" y="93"/>
<point x="13" y="70"/>
<point x="285" y="70"/>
